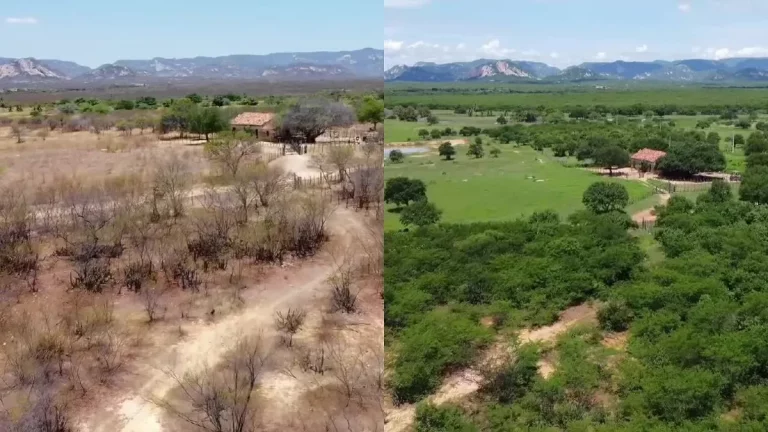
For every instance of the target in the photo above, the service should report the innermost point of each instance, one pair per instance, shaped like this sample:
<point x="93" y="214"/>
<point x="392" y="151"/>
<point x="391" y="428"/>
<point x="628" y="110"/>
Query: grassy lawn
<point x="401" y="131"/>
<point x="488" y="189"/>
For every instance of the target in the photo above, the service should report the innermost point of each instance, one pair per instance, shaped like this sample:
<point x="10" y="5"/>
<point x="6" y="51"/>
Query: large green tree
<point x="604" y="197"/>
<point x="402" y="190"/>
<point x="371" y="111"/>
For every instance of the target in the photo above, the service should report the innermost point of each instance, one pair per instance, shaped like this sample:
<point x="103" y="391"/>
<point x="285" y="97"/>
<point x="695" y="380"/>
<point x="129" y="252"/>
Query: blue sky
<point x="93" y="32"/>
<point x="567" y="32"/>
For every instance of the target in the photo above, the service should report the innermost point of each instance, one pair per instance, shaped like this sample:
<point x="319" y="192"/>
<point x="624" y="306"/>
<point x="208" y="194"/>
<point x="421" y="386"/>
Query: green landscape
<point x="508" y="261"/>
<point x="517" y="183"/>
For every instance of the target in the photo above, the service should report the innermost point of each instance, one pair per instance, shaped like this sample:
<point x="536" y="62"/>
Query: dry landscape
<point x="156" y="285"/>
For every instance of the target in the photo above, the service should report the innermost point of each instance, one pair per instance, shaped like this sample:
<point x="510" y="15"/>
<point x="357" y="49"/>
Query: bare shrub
<point x="312" y="360"/>
<point x="150" y="297"/>
<point x="268" y="181"/>
<point x="222" y="399"/>
<point x="178" y="266"/>
<point x="308" y="231"/>
<point x="110" y="352"/>
<point x="290" y="322"/>
<point x="230" y="150"/>
<point x="43" y="133"/>
<point x="136" y="274"/>
<point x="171" y="184"/>
<point x="44" y="414"/>
<point x="343" y="296"/>
<point x="17" y="132"/>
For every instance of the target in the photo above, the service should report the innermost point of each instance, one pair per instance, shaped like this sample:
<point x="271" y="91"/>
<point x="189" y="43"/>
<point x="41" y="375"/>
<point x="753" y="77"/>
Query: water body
<point x="406" y="150"/>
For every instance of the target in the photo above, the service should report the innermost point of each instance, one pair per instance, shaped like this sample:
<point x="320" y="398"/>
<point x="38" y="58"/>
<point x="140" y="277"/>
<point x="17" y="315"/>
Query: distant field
<point x="500" y="96"/>
<point x="491" y="189"/>
<point x="400" y="131"/>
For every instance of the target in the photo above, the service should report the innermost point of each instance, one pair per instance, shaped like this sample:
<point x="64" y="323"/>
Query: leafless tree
<point x="171" y="184"/>
<point x="222" y="399"/>
<point x="150" y="297"/>
<point x="290" y="322"/>
<point x="43" y="133"/>
<point x="268" y="181"/>
<point x="343" y="295"/>
<point x="17" y="131"/>
<point x="231" y="150"/>
<point x="340" y="157"/>
<point x="310" y="118"/>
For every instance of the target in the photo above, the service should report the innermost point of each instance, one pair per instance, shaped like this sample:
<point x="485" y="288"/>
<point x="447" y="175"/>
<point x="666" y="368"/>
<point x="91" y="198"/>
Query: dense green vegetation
<point x="697" y="322"/>
<point x="628" y="101"/>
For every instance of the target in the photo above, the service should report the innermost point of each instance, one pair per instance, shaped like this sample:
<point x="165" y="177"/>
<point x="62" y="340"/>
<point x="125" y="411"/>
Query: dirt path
<point x="204" y="344"/>
<point x="297" y="164"/>
<point x="464" y="383"/>
<point x="649" y="215"/>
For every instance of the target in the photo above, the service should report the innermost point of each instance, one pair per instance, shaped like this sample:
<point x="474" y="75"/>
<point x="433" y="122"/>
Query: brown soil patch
<point x="581" y="314"/>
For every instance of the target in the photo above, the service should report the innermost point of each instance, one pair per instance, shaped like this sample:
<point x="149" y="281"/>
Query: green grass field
<point x="401" y="131"/>
<point x="491" y="189"/>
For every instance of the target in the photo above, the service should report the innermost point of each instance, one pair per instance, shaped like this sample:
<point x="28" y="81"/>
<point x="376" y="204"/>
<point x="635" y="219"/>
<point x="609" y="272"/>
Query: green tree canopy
<point x="402" y="190"/>
<point x="605" y="197"/>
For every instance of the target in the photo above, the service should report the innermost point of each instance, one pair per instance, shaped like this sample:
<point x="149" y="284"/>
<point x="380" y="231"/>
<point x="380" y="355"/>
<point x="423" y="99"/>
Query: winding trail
<point x="204" y="344"/>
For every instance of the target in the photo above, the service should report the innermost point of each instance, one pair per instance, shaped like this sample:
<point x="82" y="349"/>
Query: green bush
<point x="442" y="340"/>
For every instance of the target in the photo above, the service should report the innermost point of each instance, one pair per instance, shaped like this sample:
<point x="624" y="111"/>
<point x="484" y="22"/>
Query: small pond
<point x="406" y="150"/>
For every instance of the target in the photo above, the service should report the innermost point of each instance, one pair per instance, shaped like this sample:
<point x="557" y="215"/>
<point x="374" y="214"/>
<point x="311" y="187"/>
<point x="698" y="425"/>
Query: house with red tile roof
<point x="647" y="158"/>
<point x="260" y="124"/>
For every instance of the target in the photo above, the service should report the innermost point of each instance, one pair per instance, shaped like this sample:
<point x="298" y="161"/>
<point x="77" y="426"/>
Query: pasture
<point x="402" y="131"/>
<point x="517" y="183"/>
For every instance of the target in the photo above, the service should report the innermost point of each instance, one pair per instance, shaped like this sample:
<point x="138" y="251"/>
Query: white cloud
<point x="752" y="52"/>
<point x="25" y="20"/>
<point x="642" y="48"/>
<point x="460" y="46"/>
<point x="601" y="55"/>
<point x="392" y="45"/>
<point x="684" y="7"/>
<point x="554" y="55"/>
<point x="494" y="49"/>
<point x="405" y="4"/>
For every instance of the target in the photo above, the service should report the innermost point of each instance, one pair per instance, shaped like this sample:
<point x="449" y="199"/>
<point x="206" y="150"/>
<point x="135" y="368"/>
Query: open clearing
<point x="517" y="183"/>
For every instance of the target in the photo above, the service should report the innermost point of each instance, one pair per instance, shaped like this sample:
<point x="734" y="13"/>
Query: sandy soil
<point x="465" y="382"/>
<point x="649" y="214"/>
<point x="130" y="409"/>
<point x="297" y="164"/>
<point x="584" y="313"/>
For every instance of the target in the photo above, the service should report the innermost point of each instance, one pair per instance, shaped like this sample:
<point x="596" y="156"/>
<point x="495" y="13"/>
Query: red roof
<point x="252" y="119"/>
<point x="648" y="155"/>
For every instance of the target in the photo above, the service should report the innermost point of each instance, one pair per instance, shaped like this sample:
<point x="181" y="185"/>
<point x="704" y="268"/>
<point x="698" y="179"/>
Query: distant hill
<point x="692" y="70"/>
<point x="364" y="63"/>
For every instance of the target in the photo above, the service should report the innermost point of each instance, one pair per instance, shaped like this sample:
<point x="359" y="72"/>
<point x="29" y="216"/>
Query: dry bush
<point x="110" y="352"/>
<point x="17" y="132"/>
<point x="136" y="274"/>
<point x="18" y="255"/>
<point x="268" y="182"/>
<point x="308" y="231"/>
<point x="290" y="323"/>
<point x="171" y="183"/>
<point x="343" y="295"/>
<point x="221" y="399"/>
<point x="43" y="413"/>
<point x="178" y="266"/>
<point x="150" y="298"/>
<point x="230" y="151"/>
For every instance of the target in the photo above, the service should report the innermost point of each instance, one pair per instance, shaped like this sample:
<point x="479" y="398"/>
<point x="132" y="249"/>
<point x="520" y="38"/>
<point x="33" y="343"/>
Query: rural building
<point x="647" y="159"/>
<point x="260" y="124"/>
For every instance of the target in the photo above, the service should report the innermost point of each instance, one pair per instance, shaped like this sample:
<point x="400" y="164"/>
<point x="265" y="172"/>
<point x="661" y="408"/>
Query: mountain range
<point x="364" y="63"/>
<point x="693" y="70"/>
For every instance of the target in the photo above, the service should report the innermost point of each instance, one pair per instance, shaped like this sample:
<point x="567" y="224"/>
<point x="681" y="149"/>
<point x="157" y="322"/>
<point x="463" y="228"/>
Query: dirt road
<point x="649" y="215"/>
<point x="464" y="383"/>
<point x="131" y="409"/>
